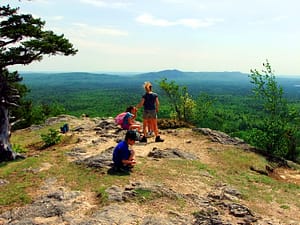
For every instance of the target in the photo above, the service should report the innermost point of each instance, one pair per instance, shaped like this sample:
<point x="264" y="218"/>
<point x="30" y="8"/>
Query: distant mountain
<point x="69" y="75"/>
<point x="205" y="81"/>
<point x="170" y="74"/>
<point x="199" y="76"/>
<point x="71" y="78"/>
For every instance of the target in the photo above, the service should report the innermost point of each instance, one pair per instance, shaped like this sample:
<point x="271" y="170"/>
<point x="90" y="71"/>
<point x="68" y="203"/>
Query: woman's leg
<point x="145" y="126"/>
<point x="154" y="127"/>
<point x="156" y="132"/>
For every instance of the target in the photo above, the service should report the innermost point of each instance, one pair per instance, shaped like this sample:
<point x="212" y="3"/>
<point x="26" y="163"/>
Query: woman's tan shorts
<point x="149" y="114"/>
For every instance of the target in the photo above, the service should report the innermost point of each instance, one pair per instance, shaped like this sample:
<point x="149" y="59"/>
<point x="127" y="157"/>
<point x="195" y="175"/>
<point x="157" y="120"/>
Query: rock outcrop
<point x="218" y="204"/>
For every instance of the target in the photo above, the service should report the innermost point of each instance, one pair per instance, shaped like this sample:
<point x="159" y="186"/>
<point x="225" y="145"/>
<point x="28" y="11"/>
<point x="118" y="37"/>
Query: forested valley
<point x="223" y="100"/>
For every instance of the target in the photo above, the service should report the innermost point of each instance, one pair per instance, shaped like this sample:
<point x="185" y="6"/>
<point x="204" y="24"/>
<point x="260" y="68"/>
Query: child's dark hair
<point x="132" y="135"/>
<point x="129" y="108"/>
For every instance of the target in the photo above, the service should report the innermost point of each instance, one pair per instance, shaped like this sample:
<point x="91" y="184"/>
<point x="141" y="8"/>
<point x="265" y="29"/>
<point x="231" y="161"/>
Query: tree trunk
<point x="6" y="152"/>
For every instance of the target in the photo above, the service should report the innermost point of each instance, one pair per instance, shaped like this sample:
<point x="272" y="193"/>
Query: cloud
<point x="193" y="23"/>
<point x="95" y="31"/>
<point x="268" y="21"/>
<point x="115" y="49"/>
<point x="149" y="19"/>
<point x="192" y="3"/>
<point x="106" y="4"/>
<point x="279" y="18"/>
<point x="42" y="1"/>
<point x="196" y="23"/>
<point x="86" y="33"/>
<point x="57" y="18"/>
<point x="95" y="3"/>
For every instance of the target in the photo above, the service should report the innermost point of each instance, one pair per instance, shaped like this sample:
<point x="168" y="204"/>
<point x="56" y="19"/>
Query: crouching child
<point x="123" y="157"/>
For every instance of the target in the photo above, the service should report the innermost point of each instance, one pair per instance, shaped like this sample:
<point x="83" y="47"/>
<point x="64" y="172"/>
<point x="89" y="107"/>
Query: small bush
<point x="51" y="138"/>
<point x="18" y="148"/>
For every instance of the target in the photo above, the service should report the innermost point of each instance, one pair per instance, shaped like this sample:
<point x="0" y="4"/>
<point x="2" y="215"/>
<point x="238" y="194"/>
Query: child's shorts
<point x="125" y="126"/>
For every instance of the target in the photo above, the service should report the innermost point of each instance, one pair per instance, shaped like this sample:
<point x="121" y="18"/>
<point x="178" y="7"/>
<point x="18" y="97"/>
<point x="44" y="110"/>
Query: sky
<point x="154" y="35"/>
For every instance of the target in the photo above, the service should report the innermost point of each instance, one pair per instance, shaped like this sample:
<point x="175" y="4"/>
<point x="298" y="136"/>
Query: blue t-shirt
<point x="126" y="117"/>
<point x="120" y="153"/>
<point x="149" y="103"/>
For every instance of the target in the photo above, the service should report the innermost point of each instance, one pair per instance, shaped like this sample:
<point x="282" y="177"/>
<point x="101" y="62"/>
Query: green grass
<point x="145" y="194"/>
<point x="102" y="195"/>
<point x="21" y="139"/>
<point x="20" y="179"/>
<point x="234" y="168"/>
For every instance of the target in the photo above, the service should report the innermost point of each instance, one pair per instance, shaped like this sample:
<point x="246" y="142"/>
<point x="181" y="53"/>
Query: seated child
<point x="129" y="120"/>
<point x="123" y="157"/>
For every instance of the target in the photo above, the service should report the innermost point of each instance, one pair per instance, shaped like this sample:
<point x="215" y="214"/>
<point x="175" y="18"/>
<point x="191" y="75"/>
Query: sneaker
<point x="143" y="139"/>
<point x="158" y="139"/>
<point x="122" y="169"/>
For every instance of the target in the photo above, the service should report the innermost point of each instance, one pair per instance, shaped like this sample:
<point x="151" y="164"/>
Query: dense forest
<point x="107" y="94"/>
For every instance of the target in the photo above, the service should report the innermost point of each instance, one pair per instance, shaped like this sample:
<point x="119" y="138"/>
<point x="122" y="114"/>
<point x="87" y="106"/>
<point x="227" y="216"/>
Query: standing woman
<point x="151" y="105"/>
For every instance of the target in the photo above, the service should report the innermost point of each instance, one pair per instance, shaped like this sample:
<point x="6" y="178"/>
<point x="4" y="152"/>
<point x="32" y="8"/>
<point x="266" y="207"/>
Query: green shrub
<point x="51" y="138"/>
<point x="18" y="148"/>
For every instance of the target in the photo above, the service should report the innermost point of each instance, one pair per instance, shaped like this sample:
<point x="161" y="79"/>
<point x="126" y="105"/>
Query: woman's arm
<point x="156" y="104"/>
<point x="140" y="104"/>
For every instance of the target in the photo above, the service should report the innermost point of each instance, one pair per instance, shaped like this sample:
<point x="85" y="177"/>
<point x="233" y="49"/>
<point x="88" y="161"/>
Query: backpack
<point x="119" y="118"/>
<point x="64" y="128"/>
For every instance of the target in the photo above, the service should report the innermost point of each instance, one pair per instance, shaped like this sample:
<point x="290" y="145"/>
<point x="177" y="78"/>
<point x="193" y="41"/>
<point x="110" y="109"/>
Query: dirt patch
<point x="286" y="175"/>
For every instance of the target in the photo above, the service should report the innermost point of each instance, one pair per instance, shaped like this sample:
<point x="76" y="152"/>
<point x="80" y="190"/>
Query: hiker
<point x="151" y="106"/>
<point x="123" y="157"/>
<point x="129" y="122"/>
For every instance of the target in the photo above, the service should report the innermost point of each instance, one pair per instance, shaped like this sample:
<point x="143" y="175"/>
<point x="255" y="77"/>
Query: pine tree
<point x="22" y="41"/>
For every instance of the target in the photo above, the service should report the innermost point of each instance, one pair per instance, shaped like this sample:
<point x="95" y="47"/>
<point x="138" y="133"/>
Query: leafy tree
<point x="203" y="106"/>
<point x="171" y="89"/>
<point x="182" y="103"/>
<point x="187" y="107"/>
<point x="277" y="135"/>
<point x="22" y="41"/>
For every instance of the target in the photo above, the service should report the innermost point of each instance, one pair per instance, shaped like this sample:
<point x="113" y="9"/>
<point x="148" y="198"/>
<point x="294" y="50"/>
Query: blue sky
<point x="188" y="35"/>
